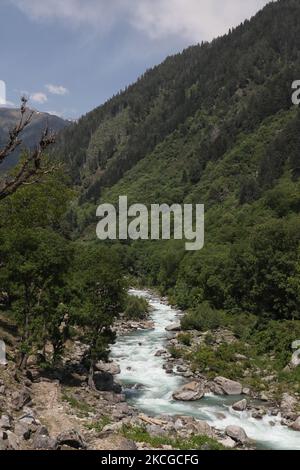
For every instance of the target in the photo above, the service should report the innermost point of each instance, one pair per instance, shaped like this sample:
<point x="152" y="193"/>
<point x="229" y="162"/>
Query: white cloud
<point x="39" y="98"/>
<point x="57" y="90"/>
<point x="192" y="19"/>
<point x="55" y="113"/>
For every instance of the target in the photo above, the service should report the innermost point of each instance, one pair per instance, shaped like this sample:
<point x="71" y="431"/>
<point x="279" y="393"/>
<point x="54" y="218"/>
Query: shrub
<point x="185" y="339"/>
<point x="137" y="308"/>
<point x="203" y="318"/>
<point x="277" y="338"/>
<point x="176" y="353"/>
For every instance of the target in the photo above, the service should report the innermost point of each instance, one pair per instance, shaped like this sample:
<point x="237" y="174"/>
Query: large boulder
<point x="42" y="440"/>
<point x="13" y="442"/>
<point x="237" y="434"/>
<point x="174" y="327"/>
<point x="187" y="426"/>
<point x="288" y="403"/>
<point x="240" y="405"/>
<point x="296" y="425"/>
<point x="23" y="430"/>
<point x="5" y="422"/>
<point x="71" y="439"/>
<point x="223" y="386"/>
<point x="21" y="399"/>
<point x="190" y="392"/>
<point x="108" y="367"/>
<point x="3" y="441"/>
<point x="104" y="382"/>
<point x="227" y="442"/>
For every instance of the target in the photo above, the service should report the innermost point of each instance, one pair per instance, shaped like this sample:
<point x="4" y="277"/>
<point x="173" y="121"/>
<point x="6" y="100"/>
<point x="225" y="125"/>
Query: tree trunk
<point x="91" y="382"/>
<point x="23" y="361"/>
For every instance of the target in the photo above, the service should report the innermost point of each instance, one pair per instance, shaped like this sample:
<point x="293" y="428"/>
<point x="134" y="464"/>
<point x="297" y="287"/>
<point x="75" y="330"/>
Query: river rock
<point x="104" y="382"/>
<point x="3" y="441"/>
<point x="223" y="386"/>
<point x="156" y="431"/>
<point x="13" y="443"/>
<point x="113" y="428"/>
<point x="23" y="430"/>
<point x="190" y="392"/>
<point x="109" y="367"/>
<point x="258" y="414"/>
<point x="288" y="403"/>
<point x="5" y="422"/>
<point x="28" y="418"/>
<point x="20" y="399"/>
<point x="296" y="425"/>
<point x="240" y="405"/>
<point x="160" y="352"/>
<point x="228" y="442"/>
<point x="220" y="416"/>
<point x="237" y="434"/>
<point x="174" y="327"/>
<point x="187" y="426"/>
<point x="42" y="440"/>
<point x="71" y="439"/>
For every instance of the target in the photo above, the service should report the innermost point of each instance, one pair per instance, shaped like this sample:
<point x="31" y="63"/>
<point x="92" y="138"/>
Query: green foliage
<point x="83" y="408"/>
<point x="212" y="125"/>
<point x="277" y="338"/>
<point x="137" y="308"/>
<point x="190" y="111"/>
<point x="203" y="318"/>
<point x="99" y="425"/>
<point x="50" y="282"/>
<point x="35" y="265"/>
<point x="100" y="295"/>
<point x="40" y="205"/>
<point x="139" y="434"/>
<point x="185" y="339"/>
<point x="220" y="361"/>
<point x="176" y="353"/>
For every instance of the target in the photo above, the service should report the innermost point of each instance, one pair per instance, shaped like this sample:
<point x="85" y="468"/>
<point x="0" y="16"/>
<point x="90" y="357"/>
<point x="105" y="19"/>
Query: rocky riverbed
<point x="165" y="386"/>
<point x="142" y="394"/>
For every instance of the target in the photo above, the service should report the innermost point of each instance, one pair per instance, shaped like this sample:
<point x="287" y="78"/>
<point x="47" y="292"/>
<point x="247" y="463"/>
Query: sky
<point x="70" y="56"/>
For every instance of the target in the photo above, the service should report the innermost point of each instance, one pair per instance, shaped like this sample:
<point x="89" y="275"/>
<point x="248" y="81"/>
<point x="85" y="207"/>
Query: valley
<point x="126" y="339"/>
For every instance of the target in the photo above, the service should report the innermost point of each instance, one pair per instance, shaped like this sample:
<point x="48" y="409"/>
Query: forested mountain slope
<point x="213" y="125"/>
<point x="31" y="136"/>
<point x="218" y="89"/>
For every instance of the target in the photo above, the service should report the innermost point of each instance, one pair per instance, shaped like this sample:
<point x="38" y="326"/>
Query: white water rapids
<point x="135" y="353"/>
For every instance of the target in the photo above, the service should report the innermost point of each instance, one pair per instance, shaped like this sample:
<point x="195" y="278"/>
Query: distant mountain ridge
<point x="8" y="119"/>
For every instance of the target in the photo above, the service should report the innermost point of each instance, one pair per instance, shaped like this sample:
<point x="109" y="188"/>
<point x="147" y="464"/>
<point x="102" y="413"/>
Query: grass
<point x="81" y="406"/>
<point x="139" y="434"/>
<point x="99" y="425"/>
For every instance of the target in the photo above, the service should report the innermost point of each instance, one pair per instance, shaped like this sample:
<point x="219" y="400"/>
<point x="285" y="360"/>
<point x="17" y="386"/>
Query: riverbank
<point x="148" y="367"/>
<point x="139" y="402"/>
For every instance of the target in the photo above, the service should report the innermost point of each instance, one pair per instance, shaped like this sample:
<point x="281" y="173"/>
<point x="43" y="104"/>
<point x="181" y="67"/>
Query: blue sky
<point x="70" y="56"/>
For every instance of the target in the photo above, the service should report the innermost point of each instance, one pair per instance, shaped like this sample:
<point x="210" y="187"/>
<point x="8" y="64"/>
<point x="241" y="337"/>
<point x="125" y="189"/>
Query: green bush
<point x="137" y="308"/>
<point x="219" y="362"/>
<point x="185" y="339"/>
<point x="176" y="353"/>
<point x="203" y="318"/>
<point x="276" y="338"/>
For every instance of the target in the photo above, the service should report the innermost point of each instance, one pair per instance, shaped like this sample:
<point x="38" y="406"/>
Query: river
<point x="135" y="353"/>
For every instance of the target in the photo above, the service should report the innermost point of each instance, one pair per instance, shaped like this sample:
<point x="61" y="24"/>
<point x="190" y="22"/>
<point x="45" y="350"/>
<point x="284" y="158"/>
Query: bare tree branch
<point x="31" y="170"/>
